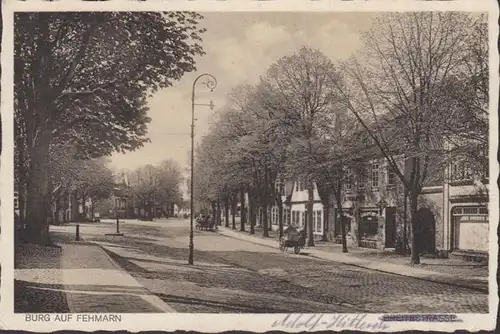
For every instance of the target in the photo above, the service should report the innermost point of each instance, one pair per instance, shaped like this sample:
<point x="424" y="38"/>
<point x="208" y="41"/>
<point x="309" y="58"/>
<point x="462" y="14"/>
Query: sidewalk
<point x="362" y="259"/>
<point x="89" y="280"/>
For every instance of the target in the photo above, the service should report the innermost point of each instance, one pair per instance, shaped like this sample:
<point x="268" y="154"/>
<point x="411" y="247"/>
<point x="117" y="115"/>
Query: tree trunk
<point x="243" y="213"/>
<point x="342" y="221"/>
<point x="234" y="205"/>
<point x="405" y="222"/>
<point x="22" y="203"/>
<point x="21" y="172"/>
<point x="252" y="214"/>
<point x="226" y="212"/>
<point x="38" y="200"/>
<point x="65" y="207"/>
<point x="219" y="214"/>
<point x="214" y="211"/>
<point x="280" y="218"/>
<point x="265" y="222"/>
<point x="309" y="221"/>
<point x="92" y="209"/>
<point x="326" y="217"/>
<point x="56" y="211"/>
<point x="415" y="256"/>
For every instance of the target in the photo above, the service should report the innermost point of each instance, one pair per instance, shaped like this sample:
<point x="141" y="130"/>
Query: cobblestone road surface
<point x="231" y="275"/>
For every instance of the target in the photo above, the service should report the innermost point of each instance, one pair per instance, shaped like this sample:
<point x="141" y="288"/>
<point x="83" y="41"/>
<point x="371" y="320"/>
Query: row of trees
<point x="418" y="90"/>
<point x="82" y="80"/>
<point x="153" y="186"/>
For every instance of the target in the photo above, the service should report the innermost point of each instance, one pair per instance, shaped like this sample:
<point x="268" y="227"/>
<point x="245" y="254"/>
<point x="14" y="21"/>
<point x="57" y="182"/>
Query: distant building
<point x="122" y="204"/>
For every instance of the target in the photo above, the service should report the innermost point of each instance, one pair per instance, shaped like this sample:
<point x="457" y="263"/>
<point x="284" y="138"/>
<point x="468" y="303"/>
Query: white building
<point x="298" y="207"/>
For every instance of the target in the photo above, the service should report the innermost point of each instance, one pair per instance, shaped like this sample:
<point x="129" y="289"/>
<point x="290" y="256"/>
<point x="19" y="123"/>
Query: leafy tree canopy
<point x="86" y="76"/>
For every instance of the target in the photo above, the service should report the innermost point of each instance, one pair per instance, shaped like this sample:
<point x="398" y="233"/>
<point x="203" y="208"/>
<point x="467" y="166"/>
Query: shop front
<point x="368" y="228"/>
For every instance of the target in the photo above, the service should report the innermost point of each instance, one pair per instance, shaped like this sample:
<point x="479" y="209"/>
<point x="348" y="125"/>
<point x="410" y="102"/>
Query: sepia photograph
<point x="251" y="162"/>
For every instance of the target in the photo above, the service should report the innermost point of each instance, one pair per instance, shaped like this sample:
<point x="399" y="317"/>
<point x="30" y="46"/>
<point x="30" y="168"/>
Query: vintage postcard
<point x="249" y="165"/>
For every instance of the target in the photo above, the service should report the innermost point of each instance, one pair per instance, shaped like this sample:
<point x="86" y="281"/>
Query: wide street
<point x="231" y="275"/>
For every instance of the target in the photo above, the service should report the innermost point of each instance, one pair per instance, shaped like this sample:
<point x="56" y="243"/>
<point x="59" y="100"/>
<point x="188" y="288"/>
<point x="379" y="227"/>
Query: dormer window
<point x="280" y="187"/>
<point x="300" y="185"/>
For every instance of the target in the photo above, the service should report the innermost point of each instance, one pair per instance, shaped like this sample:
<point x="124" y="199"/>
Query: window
<point x="391" y="176"/>
<point x="348" y="183"/>
<point x="295" y="218"/>
<point x="287" y="216"/>
<point x="317" y="221"/>
<point x="460" y="171"/>
<point x="470" y="210"/>
<point x="274" y="215"/>
<point x="279" y="188"/>
<point x="483" y="210"/>
<point x="374" y="176"/>
<point x="16" y="201"/>
<point x="361" y="183"/>
<point x="301" y="185"/>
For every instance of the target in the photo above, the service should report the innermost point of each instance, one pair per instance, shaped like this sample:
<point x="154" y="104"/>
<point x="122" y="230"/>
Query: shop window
<point x="368" y="227"/>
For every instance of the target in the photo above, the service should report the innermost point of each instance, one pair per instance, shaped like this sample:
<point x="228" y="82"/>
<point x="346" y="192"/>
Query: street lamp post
<point x="211" y="83"/>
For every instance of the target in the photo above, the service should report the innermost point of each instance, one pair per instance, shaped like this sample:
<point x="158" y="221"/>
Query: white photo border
<point x="225" y="322"/>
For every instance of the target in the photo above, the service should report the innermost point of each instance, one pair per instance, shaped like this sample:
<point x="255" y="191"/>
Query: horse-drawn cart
<point x="205" y="223"/>
<point x="292" y="238"/>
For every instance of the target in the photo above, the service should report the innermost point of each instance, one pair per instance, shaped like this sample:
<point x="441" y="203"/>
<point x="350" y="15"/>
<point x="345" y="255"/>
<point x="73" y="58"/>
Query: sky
<point x="239" y="48"/>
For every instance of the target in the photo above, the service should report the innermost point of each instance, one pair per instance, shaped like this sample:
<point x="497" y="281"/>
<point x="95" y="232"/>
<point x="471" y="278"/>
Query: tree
<point x="397" y="82"/>
<point x="169" y="179"/>
<point x="95" y="181"/>
<point x="84" y="78"/>
<point x="338" y="157"/>
<point x="466" y="95"/>
<point x="302" y="91"/>
<point x="145" y="187"/>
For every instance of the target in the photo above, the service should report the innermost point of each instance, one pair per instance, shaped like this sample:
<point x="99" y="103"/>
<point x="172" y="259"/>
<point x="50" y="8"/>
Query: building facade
<point x="452" y="214"/>
<point x="298" y="207"/>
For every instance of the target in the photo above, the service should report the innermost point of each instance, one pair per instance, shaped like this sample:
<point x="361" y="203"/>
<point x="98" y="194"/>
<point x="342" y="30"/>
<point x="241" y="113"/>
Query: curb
<point x="442" y="279"/>
<point x="149" y="297"/>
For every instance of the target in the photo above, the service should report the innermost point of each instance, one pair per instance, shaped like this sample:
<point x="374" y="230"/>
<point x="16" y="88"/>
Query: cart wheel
<point x="297" y="250"/>
<point x="282" y="247"/>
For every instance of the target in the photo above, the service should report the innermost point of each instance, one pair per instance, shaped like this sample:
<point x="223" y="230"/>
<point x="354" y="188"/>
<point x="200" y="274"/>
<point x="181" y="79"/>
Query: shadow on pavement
<point x="39" y="298"/>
